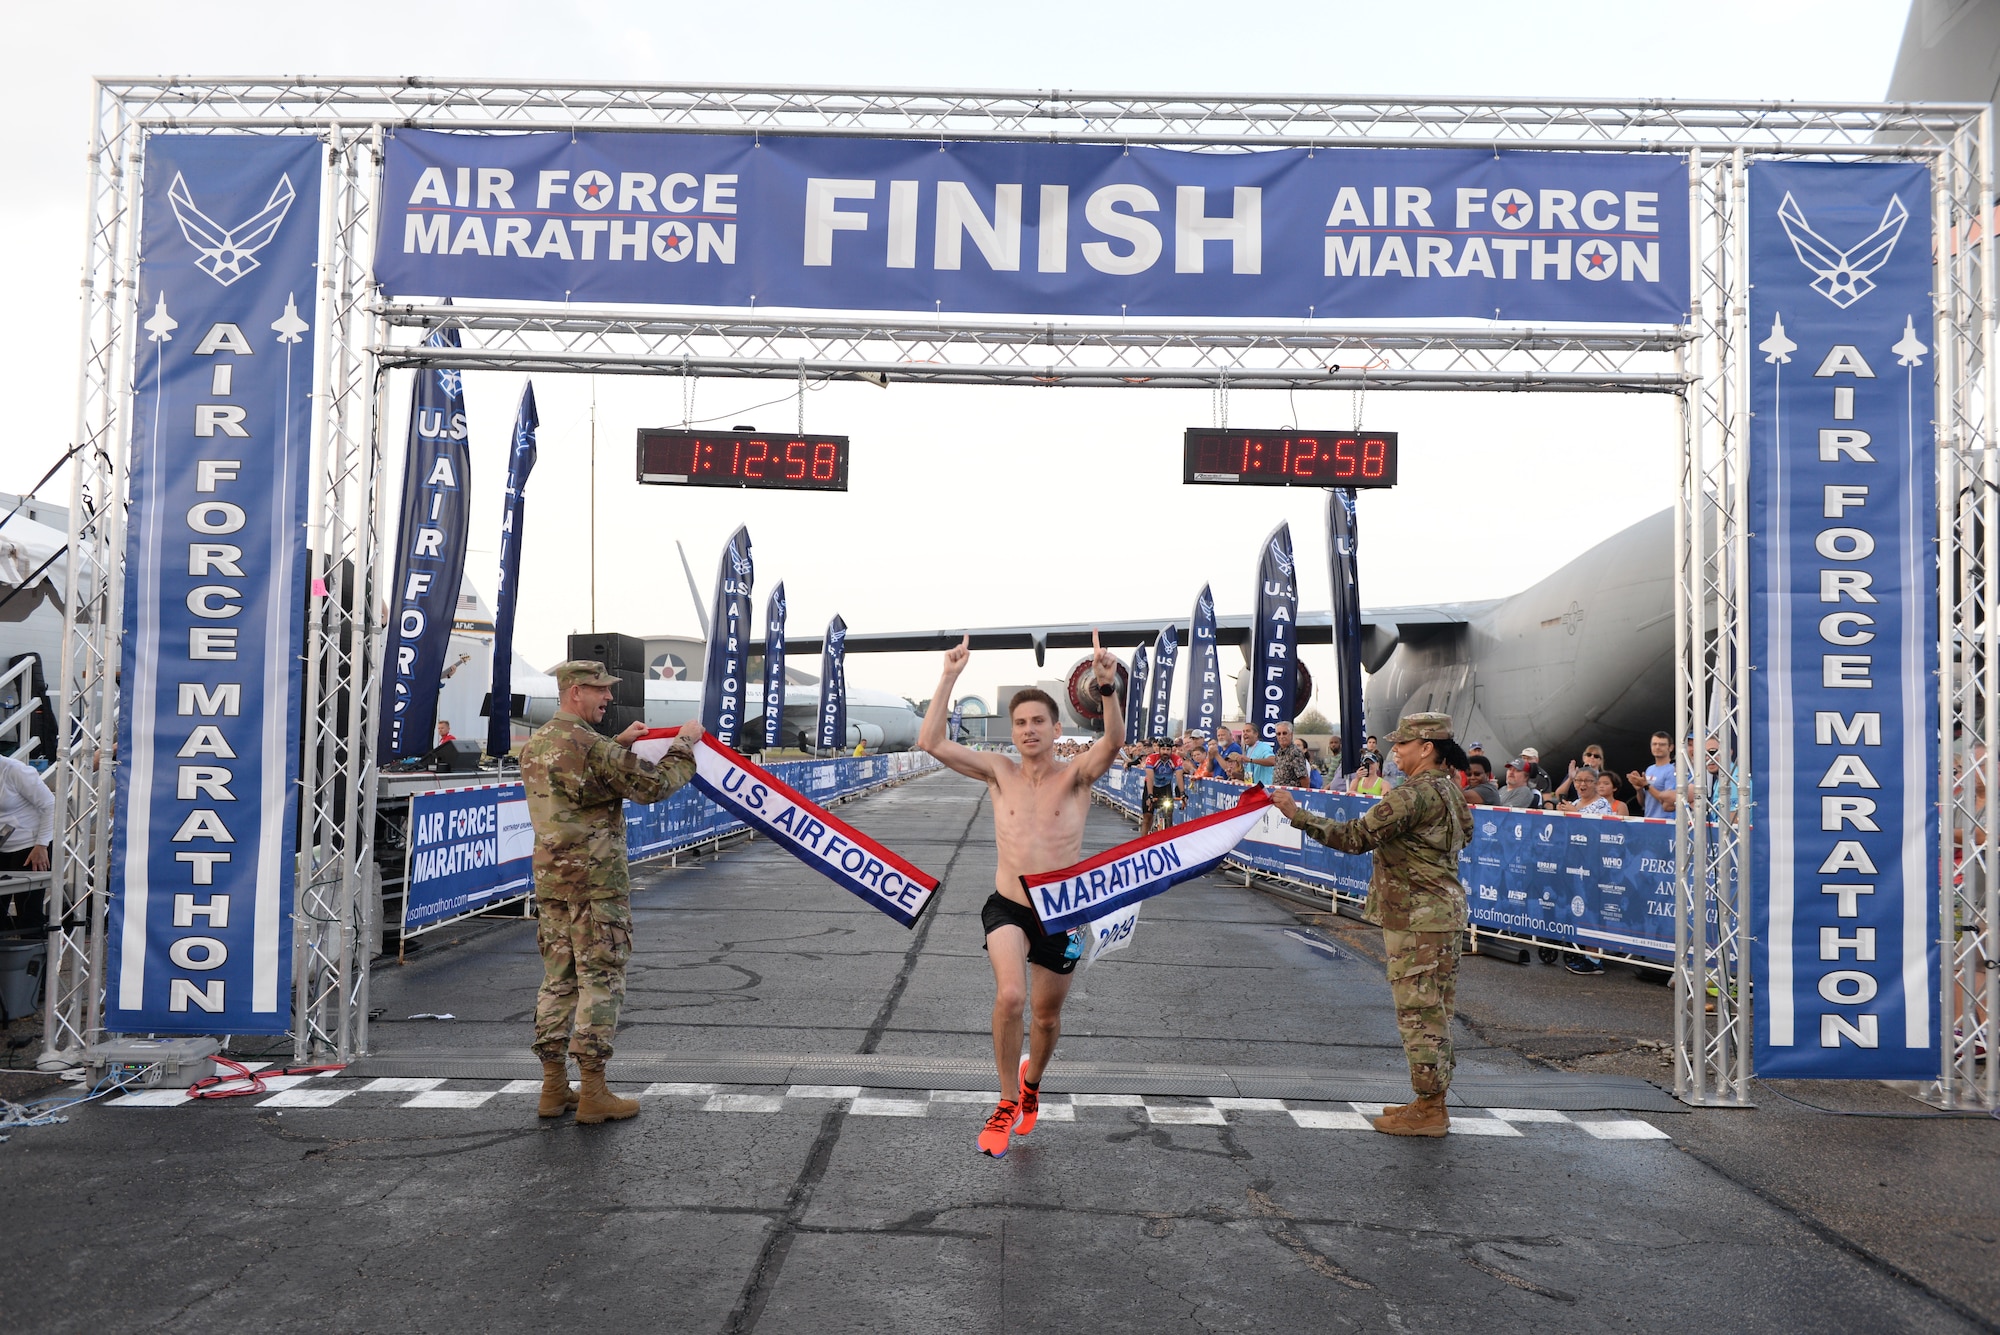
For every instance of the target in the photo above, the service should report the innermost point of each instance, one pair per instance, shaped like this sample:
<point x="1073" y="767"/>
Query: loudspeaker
<point x="630" y="690"/>
<point x="617" y="718"/>
<point x="457" y="756"/>
<point x="520" y="705"/>
<point x="618" y="653"/>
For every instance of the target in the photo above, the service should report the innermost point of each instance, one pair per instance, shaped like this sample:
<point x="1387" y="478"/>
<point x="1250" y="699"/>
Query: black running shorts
<point x="1044" y="948"/>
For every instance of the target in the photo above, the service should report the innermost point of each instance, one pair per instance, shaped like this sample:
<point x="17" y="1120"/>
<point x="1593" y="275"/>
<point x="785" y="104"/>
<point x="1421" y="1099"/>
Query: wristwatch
<point x="1104" y="689"/>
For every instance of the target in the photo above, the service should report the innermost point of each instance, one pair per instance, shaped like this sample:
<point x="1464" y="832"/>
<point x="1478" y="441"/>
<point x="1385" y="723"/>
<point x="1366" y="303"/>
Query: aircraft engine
<point x="1084" y="702"/>
<point x="1302" y="693"/>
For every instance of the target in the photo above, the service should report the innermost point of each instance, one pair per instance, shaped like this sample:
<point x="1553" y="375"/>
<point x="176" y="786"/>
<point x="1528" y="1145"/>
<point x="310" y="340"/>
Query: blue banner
<point x="520" y="463"/>
<point x="1274" y="646"/>
<point x="1343" y="546"/>
<point x="1843" y="660"/>
<point x="1203" y="711"/>
<point x="774" y="669"/>
<point x="202" y="855"/>
<point x="1137" y="703"/>
<point x="827" y="222"/>
<point x="430" y="558"/>
<point x="1166" y="649"/>
<point x="1589" y="882"/>
<point x="470" y="849"/>
<point x="728" y="641"/>
<point x="833" y="688"/>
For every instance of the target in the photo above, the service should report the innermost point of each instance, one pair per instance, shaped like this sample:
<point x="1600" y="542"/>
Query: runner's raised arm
<point x="1089" y="767"/>
<point x="931" y="736"/>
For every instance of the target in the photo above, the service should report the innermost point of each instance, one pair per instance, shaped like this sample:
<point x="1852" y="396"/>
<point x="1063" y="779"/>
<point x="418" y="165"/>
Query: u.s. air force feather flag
<point x="810" y="833"/>
<point x="1119" y="877"/>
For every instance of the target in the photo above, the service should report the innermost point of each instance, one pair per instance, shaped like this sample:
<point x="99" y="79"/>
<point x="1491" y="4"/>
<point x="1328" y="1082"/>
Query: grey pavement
<point x="446" y="1205"/>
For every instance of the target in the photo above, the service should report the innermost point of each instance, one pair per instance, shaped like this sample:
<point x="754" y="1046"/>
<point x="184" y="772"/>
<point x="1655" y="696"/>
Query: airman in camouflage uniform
<point x="577" y="782"/>
<point x="1415" y="833"/>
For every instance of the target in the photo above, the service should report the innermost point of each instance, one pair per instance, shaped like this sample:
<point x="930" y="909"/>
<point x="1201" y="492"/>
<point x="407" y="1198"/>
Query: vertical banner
<point x="520" y="463"/>
<point x="1166" y="650"/>
<point x="430" y="557"/>
<point x="774" y="669"/>
<point x="1273" y="651"/>
<point x="1137" y="706"/>
<point x="200" y="926"/>
<point x="955" y="723"/>
<point x="728" y="641"/>
<point x="833" y="687"/>
<point x="1203" y="710"/>
<point x="1342" y="553"/>
<point x="1843" y="568"/>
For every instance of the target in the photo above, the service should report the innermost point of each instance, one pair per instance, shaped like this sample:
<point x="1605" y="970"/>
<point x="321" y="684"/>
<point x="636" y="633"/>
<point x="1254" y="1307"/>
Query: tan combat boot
<point x="1425" y="1117"/>
<point x="599" y="1104"/>
<point x="558" y="1095"/>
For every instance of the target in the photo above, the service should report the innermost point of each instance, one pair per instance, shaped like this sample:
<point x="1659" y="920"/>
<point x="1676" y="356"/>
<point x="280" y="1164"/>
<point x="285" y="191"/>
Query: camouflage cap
<point x="1422" y="728"/>
<point x="581" y="672"/>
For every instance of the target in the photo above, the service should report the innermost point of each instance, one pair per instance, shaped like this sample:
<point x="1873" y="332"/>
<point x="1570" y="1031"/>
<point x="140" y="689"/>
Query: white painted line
<point x="276" y="1082"/>
<point x="823" y="1092"/>
<point x="1481" y="1126"/>
<point x="1528" y="1115"/>
<point x="1057" y="1112"/>
<point x="681" y="1088"/>
<point x="967" y="1096"/>
<point x="1249" y="1105"/>
<point x="1624" y="1130"/>
<point x="401" y="1084"/>
<point x="746" y="1103"/>
<point x="305" y="1098"/>
<point x="1368" y="1109"/>
<point x="153" y="1098"/>
<point x="1185" y="1116"/>
<point x="889" y="1108"/>
<point x="521" y="1087"/>
<point x="254" y="1066"/>
<point x="1330" y="1119"/>
<point x="1107" y="1100"/>
<point x="450" y="1098"/>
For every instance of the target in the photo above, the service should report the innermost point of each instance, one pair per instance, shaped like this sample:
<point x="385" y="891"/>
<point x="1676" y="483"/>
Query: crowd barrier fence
<point x="469" y="849"/>
<point x="1599" y="883"/>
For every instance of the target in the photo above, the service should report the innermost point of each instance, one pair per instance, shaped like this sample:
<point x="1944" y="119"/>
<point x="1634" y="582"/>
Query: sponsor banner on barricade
<point x="834" y="222"/>
<point x="1598" y="882"/>
<point x="1844" y="654"/>
<point x="1133" y="872"/>
<point x="470" y="849"/>
<point x="202" y="857"/>
<point x="815" y="836"/>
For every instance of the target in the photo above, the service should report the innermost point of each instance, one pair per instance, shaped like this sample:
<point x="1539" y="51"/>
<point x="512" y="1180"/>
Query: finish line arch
<point x="1706" y="359"/>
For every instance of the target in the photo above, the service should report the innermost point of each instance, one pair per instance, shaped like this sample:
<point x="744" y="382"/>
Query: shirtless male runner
<point x="1039" y="805"/>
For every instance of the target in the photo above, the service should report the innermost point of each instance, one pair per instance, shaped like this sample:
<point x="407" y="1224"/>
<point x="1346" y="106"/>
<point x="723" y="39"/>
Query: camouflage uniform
<point x="577" y="781"/>
<point x="1415" y="833"/>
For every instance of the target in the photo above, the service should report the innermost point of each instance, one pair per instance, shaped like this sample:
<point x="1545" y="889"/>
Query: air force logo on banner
<point x="227" y="253"/>
<point x="1843" y="274"/>
<point x="1281" y="555"/>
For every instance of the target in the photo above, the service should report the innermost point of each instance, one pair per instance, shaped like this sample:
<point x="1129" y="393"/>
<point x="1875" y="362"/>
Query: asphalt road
<point x="446" y="1205"/>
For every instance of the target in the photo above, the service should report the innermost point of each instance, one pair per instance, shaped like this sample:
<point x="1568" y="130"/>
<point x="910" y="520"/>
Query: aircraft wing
<point x="1314" y="628"/>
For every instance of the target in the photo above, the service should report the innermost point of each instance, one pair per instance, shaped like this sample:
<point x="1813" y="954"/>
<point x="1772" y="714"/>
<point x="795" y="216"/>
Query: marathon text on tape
<point x="1098" y="887"/>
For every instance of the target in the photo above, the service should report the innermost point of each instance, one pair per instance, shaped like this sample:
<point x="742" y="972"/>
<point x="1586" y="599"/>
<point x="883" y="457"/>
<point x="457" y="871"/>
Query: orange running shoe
<point x="993" y="1140"/>
<point x="1031" y="1103"/>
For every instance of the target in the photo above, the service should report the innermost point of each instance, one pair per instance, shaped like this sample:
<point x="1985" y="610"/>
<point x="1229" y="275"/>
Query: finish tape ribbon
<point x="1132" y="872"/>
<point x="806" y="830"/>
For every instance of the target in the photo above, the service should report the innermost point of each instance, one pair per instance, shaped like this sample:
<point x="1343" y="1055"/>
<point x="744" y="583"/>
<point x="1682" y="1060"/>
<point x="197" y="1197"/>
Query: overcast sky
<point x="967" y="505"/>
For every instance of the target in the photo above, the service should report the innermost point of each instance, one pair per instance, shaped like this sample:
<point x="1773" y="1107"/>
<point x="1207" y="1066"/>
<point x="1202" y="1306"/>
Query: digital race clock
<point x="778" y="460"/>
<point x="1290" y="458"/>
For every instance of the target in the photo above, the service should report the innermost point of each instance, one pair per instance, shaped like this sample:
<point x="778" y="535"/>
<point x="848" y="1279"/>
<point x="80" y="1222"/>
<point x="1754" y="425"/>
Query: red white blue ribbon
<point x="812" y="834"/>
<point x="1123" y="876"/>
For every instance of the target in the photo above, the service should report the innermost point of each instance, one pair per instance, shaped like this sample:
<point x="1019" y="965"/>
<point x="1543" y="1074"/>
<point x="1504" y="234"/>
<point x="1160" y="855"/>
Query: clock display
<point x="777" y="460"/>
<point x="1290" y="458"/>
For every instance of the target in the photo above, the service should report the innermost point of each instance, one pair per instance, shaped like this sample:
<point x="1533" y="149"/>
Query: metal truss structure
<point x="1706" y="364"/>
